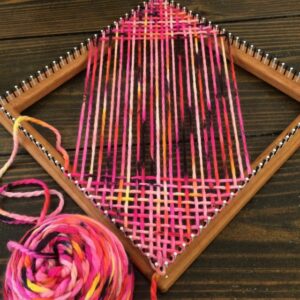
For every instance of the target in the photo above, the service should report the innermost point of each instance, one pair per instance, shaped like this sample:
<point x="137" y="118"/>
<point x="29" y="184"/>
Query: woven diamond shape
<point x="161" y="146"/>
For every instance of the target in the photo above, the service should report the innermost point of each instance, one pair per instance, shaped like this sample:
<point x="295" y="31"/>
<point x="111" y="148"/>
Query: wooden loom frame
<point x="244" y="55"/>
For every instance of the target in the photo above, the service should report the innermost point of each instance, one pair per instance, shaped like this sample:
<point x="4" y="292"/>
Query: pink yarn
<point x="64" y="256"/>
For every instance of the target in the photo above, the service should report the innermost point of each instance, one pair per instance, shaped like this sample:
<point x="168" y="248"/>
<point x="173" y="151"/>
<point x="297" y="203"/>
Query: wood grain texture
<point x="36" y="18"/>
<point x="257" y="255"/>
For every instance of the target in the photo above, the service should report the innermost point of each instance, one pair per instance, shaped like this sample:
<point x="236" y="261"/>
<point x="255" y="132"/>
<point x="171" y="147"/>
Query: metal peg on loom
<point x="102" y="33"/>
<point x="223" y="31"/>
<point x="274" y="63"/>
<point x="61" y="62"/>
<point x="258" y="54"/>
<point x="116" y="25"/>
<point x="75" y="52"/>
<point x="197" y="17"/>
<point x="25" y="86"/>
<point x="2" y="102"/>
<point x="244" y="46"/>
<point x="17" y="92"/>
<point x="9" y="96"/>
<point x="82" y="48"/>
<point x="265" y="59"/>
<point x="55" y="66"/>
<point x="237" y="41"/>
<point x="108" y="29"/>
<point x="87" y="43"/>
<point x="32" y="80"/>
<point x="251" y="50"/>
<point x="294" y="74"/>
<point x="290" y="73"/>
<point x="210" y="24"/>
<point x="40" y="76"/>
<point x="230" y="38"/>
<point x="282" y="68"/>
<point x="95" y="39"/>
<point x="47" y="71"/>
<point x="215" y="26"/>
<point x="203" y="20"/>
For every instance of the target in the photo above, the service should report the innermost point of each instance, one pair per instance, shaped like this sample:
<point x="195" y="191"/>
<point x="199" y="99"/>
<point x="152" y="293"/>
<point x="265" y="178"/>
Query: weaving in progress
<point x="166" y="150"/>
<point x="161" y="154"/>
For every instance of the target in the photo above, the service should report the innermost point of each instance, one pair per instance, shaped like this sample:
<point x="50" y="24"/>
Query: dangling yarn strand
<point x="16" y="126"/>
<point x="64" y="256"/>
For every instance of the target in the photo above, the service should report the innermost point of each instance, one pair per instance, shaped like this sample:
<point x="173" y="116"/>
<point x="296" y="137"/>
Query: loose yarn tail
<point x="16" y="126"/>
<point x="153" y="289"/>
<point x="64" y="256"/>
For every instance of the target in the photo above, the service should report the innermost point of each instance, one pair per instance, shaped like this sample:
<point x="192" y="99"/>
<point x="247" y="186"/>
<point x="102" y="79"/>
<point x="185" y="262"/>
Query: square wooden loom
<point x="245" y="56"/>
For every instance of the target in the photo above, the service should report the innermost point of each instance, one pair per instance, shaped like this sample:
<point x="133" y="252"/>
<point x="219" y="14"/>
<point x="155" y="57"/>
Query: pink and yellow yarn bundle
<point x="64" y="256"/>
<point x="68" y="257"/>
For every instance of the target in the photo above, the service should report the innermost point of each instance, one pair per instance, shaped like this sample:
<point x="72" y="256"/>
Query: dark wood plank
<point x="25" y="57"/>
<point x="235" y="10"/>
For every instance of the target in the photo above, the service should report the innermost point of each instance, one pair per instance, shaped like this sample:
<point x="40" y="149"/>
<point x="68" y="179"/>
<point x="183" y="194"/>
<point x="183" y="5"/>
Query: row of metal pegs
<point x="70" y="56"/>
<point x="44" y="73"/>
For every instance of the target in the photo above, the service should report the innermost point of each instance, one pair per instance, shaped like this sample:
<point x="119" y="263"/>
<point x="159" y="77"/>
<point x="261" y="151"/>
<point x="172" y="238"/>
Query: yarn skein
<point x="64" y="256"/>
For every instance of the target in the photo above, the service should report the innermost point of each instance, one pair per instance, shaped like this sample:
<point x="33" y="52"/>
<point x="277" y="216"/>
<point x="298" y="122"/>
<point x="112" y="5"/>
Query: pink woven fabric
<point x="64" y="256"/>
<point x="161" y="145"/>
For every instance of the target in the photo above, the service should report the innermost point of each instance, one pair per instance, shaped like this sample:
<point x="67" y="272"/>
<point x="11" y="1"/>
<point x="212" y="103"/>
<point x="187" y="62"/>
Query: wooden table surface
<point x="258" y="254"/>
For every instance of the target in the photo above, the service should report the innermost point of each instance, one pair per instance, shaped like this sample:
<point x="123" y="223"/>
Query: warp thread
<point x="64" y="256"/>
<point x="161" y="146"/>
